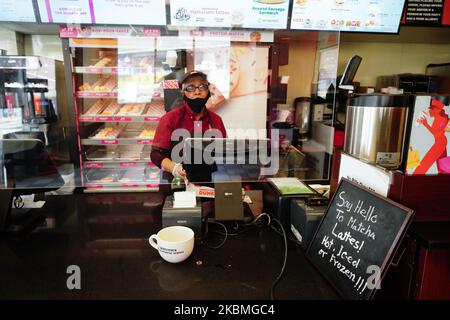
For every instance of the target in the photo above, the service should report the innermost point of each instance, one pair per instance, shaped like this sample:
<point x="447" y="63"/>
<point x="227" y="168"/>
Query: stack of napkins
<point x="184" y="199"/>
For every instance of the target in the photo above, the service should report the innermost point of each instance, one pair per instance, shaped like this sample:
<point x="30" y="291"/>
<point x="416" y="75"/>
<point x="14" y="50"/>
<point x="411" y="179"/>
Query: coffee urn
<point x="302" y="106"/>
<point x="375" y="128"/>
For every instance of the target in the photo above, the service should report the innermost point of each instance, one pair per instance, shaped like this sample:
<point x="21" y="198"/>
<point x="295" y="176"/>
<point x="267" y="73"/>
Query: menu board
<point x="347" y="15"/>
<point x="357" y="239"/>
<point x="17" y="11"/>
<point x="136" y="12"/>
<point x="427" y="13"/>
<point x="231" y="13"/>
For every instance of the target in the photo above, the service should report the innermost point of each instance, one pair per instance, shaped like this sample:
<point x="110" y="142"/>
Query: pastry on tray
<point x="147" y="133"/>
<point x="105" y="62"/>
<point x="108" y="133"/>
<point x="132" y="109"/>
<point x="85" y="87"/>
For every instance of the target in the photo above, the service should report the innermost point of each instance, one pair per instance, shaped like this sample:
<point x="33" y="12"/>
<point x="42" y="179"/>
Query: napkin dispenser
<point x="188" y="217"/>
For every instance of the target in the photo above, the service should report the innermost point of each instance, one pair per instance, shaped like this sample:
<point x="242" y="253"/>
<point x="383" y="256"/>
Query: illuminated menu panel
<point x="137" y="12"/>
<point x="271" y="14"/>
<point x="347" y="15"/>
<point x="17" y="10"/>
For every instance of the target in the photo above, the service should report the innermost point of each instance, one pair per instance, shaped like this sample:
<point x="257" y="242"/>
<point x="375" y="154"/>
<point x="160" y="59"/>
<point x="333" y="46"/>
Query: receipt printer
<point x="188" y="217"/>
<point x="305" y="218"/>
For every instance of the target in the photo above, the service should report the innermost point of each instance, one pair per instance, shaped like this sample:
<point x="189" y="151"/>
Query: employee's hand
<point x="178" y="171"/>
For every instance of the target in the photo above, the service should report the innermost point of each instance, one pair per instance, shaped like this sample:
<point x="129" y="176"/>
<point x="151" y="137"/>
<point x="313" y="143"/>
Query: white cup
<point x="174" y="244"/>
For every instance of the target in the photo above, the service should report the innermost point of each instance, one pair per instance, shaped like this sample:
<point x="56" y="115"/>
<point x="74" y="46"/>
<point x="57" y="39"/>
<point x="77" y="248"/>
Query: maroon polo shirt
<point x="171" y="120"/>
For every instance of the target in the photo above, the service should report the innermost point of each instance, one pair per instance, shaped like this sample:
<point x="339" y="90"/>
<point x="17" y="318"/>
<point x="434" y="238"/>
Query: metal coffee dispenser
<point x="375" y="128"/>
<point x="302" y="106"/>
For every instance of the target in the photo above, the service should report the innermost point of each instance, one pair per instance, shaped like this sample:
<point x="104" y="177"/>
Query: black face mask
<point x="197" y="104"/>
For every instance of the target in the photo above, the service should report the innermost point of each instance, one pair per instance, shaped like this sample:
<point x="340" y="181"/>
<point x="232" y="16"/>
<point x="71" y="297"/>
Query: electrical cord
<point x="256" y="222"/>
<point x="224" y="240"/>
<point x="284" y="261"/>
<point x="289" y="238"/>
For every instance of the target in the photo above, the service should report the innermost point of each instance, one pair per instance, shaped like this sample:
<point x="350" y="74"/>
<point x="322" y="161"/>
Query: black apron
<point x="196" y="173"/>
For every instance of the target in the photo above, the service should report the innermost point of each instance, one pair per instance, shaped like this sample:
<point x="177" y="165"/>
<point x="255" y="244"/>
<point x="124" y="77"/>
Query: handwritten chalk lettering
<point x="358" y="282"/>
<point x="361" y="283"/>
<point x="327" y="243"/>
<point x="368" y="214"/>
<point x="347" y="237"/>
<point x="344" y="203"/>
<point x="339" y="215"/>
<point x="361" y="228"/>
<point x="322" y="253"/>
<point x="342" y="268"/>
<point x="345" y="256"/>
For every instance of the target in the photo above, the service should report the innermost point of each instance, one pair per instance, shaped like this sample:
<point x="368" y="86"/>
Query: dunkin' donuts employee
<point x="195" y="92"/>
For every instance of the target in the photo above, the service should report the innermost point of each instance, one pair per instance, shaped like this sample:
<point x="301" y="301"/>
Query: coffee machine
<point x="28" y="94"/>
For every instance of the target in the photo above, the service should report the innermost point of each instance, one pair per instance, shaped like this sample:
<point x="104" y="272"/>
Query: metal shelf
<point x="118" y="141"/>
<point x="118" y="187"/>
<point x="118" y="164"/>
<point x="97" y="70"/>
<point x="141" y="118"/>
<point x="110" y="70"/>
<point x="96" y="94"/>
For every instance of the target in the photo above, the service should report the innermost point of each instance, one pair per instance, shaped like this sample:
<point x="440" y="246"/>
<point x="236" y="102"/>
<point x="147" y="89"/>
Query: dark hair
<point x="193" y="74"/>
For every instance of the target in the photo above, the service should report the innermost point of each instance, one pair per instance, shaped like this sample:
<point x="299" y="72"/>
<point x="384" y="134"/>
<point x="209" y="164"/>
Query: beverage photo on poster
<point x="239" y="84"/>
<point x="428" y="151"/>
<point x="232" y="13"/>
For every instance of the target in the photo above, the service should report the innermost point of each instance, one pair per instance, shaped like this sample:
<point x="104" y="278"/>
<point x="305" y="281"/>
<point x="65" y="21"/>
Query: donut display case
<point x="117" y="103"/>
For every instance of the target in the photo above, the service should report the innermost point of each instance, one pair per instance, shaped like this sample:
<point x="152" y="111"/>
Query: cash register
<point x="234" y="161"/>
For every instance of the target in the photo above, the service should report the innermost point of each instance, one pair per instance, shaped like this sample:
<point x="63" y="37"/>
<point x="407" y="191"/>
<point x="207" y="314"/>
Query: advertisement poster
<point x="136" y="80"/>
<point x="17" y="10"/>
<point x="429" y="147"/>
<point x="231" y="13"/>
<point x="239" y="92"/>
<point x="347" y="15"/>
<point x="145" y="12"/>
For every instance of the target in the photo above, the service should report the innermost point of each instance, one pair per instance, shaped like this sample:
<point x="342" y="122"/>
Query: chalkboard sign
<point x="357" y="238"/>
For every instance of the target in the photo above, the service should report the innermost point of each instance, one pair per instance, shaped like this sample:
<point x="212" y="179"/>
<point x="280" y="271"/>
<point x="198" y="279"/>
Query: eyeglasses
<point x="201" y="87"/>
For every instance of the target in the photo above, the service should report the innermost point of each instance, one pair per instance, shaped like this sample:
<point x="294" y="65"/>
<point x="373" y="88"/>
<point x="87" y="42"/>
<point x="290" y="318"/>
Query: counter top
<point x="116" y="261"/>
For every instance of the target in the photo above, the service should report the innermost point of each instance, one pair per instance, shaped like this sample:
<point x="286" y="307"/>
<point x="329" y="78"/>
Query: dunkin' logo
<point x="206" y="193"/>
